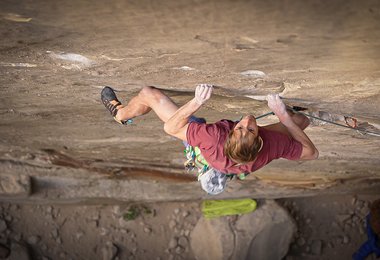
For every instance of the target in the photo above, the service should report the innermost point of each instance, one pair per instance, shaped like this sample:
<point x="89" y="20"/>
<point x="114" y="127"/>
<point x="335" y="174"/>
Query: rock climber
<point x="229" y="147"/>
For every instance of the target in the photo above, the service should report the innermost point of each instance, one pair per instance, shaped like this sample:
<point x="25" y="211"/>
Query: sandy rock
<point x="254" y="237"/>
<point x="173" y="243"/>
<point x="18" y="185"/>
<point x="116" y="211"/>
<point x="172" y="224"/>
<point x="183" y="242"/>
<point x="346" y="240"/>
<point x="185" y="214"/>
<point x="110" y="251"/>
<point x="104" y="231"/>
<point x="179" y="250"/>
<point x="19" y="252"/>
<point x="316" y="247"/>
<point x="33" y="240"/>
<point x="147" y="230"/>
<point x="3" y="226"/>
<point x="176" y="211"/>
<point x="258" y="231"/>
<point x="4" y="251"/>
<point x="212" y="239"/>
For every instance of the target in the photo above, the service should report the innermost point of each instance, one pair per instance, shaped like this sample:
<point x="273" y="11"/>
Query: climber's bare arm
<point x="309" y="151"/>
<point x="177" y="125"/>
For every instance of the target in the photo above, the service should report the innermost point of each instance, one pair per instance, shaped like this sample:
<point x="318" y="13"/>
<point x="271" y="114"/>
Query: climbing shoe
<point x="107" y="95"/>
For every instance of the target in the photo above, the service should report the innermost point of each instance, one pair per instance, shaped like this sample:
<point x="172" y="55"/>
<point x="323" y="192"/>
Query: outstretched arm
<point x="177" y="125"/>
<point x="309" y="151"/>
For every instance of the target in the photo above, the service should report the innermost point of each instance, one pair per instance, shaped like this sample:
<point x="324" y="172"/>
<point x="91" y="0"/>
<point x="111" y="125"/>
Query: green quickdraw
<point x="195" y="160"/>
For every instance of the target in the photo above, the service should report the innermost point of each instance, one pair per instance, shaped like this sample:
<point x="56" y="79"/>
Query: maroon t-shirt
<point x="210" y="139"/>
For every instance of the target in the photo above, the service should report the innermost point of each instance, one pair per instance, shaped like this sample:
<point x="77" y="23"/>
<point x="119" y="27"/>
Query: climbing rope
<point x="324" y="120"/>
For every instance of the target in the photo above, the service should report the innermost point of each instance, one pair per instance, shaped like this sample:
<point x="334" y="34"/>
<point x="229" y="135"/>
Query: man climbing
<point x="229" y="147"/>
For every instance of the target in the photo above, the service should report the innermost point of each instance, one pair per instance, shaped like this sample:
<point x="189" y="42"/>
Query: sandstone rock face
<point x="212" y="239"/>
<point x="56" y="126"/>
<point x="263" y="234"/>
<point x="266" y="233"/>
<point x="14" y="185"/>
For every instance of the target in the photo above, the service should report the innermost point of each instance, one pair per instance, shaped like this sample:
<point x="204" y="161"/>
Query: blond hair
<point x="242" y="148"/>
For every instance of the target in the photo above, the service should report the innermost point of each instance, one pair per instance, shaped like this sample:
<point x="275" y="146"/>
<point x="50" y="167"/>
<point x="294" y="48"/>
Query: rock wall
<point x="59" y="143"/>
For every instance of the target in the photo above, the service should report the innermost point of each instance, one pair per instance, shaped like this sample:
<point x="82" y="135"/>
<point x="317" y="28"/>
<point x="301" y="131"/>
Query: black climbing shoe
<point x="107" y="95"/>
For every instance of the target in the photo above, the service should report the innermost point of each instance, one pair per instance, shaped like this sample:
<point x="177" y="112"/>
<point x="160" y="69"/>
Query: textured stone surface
<point x="212" y="239"/>
<point x="15" y="185"/>
<point x="323" y="56"/>
<point x="263" y="234"/>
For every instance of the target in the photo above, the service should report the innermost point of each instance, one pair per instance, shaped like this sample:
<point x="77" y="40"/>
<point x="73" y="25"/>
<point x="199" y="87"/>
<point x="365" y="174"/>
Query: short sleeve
<point x="280" y="145"/>
<point x="292" y="150"/>
<point x="202" y="135"/>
